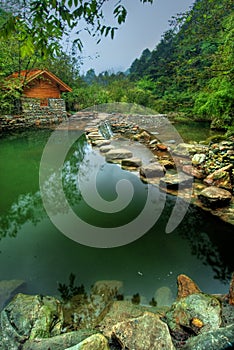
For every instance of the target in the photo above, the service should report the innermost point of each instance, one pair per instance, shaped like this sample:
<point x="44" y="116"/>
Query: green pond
<point x="34" y="250"/>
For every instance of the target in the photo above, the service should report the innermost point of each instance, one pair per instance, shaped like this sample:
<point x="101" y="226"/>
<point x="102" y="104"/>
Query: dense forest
<point x="189" y="74"/>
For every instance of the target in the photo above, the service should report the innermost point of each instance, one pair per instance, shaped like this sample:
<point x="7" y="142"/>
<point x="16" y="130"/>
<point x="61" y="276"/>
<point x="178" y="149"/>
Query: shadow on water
<point x="41" y="255"/>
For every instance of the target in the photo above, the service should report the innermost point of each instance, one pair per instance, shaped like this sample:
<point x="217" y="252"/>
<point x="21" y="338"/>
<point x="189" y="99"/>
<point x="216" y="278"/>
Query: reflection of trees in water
<point x="29" y="207"/>
<point x="210" y="241"/>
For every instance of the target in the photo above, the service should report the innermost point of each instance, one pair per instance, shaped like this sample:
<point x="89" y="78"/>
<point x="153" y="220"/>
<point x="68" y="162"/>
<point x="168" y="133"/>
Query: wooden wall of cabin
<point x="42" y="88"/>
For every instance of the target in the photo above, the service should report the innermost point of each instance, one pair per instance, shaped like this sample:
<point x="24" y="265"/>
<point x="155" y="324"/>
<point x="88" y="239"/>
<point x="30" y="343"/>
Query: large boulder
<point x="29" y="317"/>
<point x="143" y="333"/>
<point x="219" y="339"/>
<point x="120" y="311"/>
<point x="194" y="314"/>
<point x="215" y="197"/>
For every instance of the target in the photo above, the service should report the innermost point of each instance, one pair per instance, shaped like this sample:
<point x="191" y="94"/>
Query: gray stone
<point x="95" y="342"/>
<point x="152" y="170"/>
<point x="196" y="313"/>
<point x="119" y="311"/>
<point x="100" y="143"/>
<point x="8" y="288"/>
<point x="198" y="158"/>
<point x="220" y="339"/>
<point x="131" y="162"/>
<point x="215" y="197"/>
<point x="59" y="342"/>
<point x="185" y="149"/>
<point x="117" y="154"/>
<point x="143" y="333"/>
<point x="105" y="149"/>
<point x="176" y="180"/>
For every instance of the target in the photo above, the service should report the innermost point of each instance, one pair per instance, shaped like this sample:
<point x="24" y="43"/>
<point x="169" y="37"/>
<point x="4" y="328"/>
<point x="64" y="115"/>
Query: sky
<point x="143" y="29"/>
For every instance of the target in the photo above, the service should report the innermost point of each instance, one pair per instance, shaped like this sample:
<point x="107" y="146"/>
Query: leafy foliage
<point x="42" y="24"/>
<point x="191" y="69"/>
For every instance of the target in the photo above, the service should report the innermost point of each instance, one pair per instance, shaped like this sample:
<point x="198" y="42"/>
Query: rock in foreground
<point x="214" y="197"/>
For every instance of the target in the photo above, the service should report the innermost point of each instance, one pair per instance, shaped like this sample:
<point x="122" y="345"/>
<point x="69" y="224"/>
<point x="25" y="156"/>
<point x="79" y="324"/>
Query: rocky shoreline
<point x="103" y="320"/>
<point x="202" y="174"/>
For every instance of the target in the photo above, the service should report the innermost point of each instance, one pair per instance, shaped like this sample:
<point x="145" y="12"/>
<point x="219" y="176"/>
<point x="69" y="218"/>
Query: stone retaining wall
<point x="31" y="108"/>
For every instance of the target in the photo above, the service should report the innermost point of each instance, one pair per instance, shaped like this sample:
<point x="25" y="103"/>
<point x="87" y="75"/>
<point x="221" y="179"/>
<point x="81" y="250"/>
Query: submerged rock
<point x="214" y="197"/>
<point x="107" y="289"/>
<point x="163" y="296"/>
<point x="88" y="312"/>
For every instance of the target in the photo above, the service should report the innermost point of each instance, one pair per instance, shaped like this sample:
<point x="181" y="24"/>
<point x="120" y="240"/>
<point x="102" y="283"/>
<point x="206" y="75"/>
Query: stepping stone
<point x="106" y="148"/>
<point x="152" y="170"/>
<point x="117" y="154"/>
<point x="132" y="162"/>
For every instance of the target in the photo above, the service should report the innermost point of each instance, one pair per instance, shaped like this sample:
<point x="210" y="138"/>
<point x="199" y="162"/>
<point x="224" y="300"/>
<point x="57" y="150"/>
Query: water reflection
<point x="209" y="240"/>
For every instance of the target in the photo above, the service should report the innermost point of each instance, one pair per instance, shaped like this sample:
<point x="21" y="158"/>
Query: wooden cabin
<point x="41" y="94"/>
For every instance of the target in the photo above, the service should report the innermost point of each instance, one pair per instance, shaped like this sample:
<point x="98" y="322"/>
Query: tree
<point x="44" y="23"/>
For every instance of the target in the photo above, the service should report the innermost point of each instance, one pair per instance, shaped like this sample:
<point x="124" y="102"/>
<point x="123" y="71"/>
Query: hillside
<point x="191" y="69"/>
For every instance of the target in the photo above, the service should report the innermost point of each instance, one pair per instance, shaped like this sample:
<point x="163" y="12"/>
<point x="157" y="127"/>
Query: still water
<point x="34" y="250"/>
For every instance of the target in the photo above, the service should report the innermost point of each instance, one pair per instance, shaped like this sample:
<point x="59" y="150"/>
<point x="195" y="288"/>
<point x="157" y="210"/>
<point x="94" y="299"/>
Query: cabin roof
<point x="30" y="75"/>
